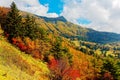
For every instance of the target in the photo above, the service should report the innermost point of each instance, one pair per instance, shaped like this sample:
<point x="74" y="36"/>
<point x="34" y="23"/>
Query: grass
<point x="16" y="65"/>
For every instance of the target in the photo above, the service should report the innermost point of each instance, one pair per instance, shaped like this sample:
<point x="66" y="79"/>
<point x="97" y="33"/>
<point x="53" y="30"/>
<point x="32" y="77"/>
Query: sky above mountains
<point x="102" y="15"/>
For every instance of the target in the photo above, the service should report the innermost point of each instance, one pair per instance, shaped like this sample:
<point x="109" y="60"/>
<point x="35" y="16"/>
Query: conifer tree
<point x="32" y="30"/>
<point x="30" y="27"/>
<point x="13" y="22"/>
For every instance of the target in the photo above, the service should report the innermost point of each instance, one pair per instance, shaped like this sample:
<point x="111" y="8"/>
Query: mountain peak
<point x="62" y="18"/>
<point x="53" y="20"/>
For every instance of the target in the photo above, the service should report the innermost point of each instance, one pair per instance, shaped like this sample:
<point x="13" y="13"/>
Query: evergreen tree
<point x="32" y="30"/>
<point x="13" y="22"/>
<point x="29" y="27"/>
<point x="111" y="65"/>
<point x="60" y="52"/>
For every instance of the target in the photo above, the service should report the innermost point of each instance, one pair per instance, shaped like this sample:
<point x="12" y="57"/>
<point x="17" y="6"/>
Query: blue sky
<point x="55" y="6"/>
<point x="83" y="21"/>
<point x="102" y="15"/>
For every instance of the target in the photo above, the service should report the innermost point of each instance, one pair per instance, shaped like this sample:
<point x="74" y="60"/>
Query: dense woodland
<point x="66" y="57"/>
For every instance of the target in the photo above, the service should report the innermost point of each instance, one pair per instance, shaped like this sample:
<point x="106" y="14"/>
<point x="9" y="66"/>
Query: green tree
<point x="60" y="52"/>
<point x="112" y="66"/>
<point x="32" y="30"/>
<point x="30" y="27"/>
<point x="13" y="22"/>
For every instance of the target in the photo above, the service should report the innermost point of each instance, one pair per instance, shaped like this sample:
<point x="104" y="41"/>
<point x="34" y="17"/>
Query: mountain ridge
<point x="74" y="31"/>
<point x="52" y="19"/>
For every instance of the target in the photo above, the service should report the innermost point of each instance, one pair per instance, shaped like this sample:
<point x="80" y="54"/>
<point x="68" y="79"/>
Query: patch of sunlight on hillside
<point x="110" y="53"/>
<point x="16" y="65"/>
<point x="76" y="42"/>
<point x="98" y="52"/>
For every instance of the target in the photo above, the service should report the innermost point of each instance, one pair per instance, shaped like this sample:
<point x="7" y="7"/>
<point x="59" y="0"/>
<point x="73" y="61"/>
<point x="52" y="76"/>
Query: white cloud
<point x="5" y="3"/>
<point x="103" y="14"/>
<point x="32" y="6"/>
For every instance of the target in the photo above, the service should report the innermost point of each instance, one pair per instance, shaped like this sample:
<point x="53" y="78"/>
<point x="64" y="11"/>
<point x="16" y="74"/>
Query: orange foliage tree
<point x="3" y="13"/>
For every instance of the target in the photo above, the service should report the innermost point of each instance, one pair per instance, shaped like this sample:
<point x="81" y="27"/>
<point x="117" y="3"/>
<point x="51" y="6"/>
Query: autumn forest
<point x="40" y="48"/>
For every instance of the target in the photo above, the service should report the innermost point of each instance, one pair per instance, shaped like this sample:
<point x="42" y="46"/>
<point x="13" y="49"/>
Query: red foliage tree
<point x="14" y="40"/>
<point x="74" y="74"/>
<point x="22" y="46"/>
<point x="62" y="70"/>
<point x="53" y="63"/>
<point x="107" y="76"/>
<point x="18" y="42"/>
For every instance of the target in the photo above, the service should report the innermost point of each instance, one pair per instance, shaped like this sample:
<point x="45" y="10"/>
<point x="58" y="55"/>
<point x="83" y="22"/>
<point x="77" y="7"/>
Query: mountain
<point x="102" y="37"/>
<point x="53" y="20"/>
<point x="73" y="31"/>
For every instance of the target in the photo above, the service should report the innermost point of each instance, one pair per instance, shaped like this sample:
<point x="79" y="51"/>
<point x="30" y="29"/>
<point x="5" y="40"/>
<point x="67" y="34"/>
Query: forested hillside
<point x="32" y="48"/>
<point x="72" y="31"/>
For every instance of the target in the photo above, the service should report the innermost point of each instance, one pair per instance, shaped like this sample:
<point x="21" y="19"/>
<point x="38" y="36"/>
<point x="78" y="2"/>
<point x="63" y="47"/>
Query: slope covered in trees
<point x="72" y="31"/>
<point x="37" y="49"/>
